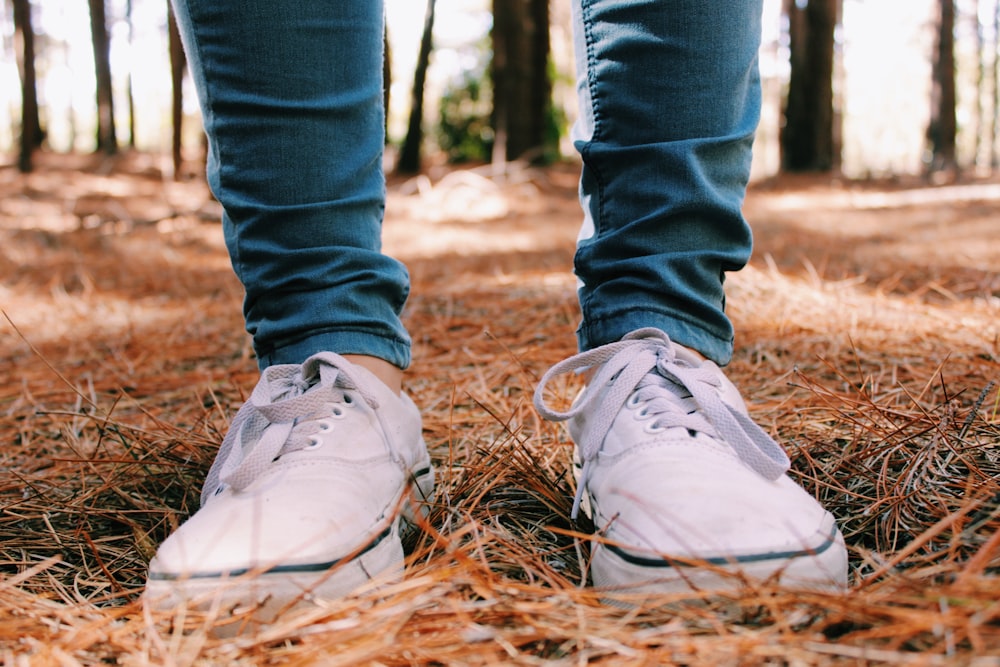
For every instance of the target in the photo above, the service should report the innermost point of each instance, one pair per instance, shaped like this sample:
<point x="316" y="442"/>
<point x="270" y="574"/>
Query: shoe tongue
<point x="276" y="417"/>
<point x="688" y="356"/>
<point x="287" y="388"/>
<point x="663" y="402"/>
<point x="294" y="398"/>
<point x="317" y="402"/>
<point x="315" y="389"/>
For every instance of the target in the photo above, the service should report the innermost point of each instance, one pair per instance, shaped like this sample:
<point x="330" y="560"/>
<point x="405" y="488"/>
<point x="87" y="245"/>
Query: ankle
<point x="390" y="375"/>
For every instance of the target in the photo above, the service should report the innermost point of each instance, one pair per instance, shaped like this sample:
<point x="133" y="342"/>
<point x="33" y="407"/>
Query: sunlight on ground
<point x="839" y="313"/>
<point x="468" y="215"/>
<point x="855" y="199"/>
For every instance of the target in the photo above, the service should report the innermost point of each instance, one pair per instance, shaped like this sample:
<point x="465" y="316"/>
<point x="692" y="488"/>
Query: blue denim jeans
<point x="669" y="97"/>
<point x="291" y="96"/>
<point x="292" y="105"/>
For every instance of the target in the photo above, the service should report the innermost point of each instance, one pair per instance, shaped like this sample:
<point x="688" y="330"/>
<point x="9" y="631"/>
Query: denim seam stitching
<point x="588" y="33"/>
<point x="208" y="120"/>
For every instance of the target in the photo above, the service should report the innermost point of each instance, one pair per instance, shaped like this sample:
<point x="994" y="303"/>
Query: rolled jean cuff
<point x="597" y="331"/>
<point x="394" y="350"/>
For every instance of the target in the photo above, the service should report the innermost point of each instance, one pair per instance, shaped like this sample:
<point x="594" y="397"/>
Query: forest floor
<point x="867" y="343"/>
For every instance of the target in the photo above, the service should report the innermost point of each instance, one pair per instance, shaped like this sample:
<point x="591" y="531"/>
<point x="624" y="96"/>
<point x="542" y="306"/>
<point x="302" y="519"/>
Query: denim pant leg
<point x="670" y="99"/>
<point x="292" y="101"/>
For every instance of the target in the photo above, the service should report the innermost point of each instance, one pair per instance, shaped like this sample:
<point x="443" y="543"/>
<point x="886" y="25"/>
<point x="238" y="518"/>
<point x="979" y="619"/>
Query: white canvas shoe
<point x="684" y="489"/>
<point x="305" y="497"/>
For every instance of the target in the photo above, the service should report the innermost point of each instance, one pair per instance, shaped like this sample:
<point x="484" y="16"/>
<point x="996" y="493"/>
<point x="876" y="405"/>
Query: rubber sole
<point x="820" y="566"/>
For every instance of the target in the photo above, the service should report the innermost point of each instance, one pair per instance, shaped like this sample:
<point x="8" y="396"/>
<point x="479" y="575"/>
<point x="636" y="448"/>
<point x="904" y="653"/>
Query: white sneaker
<point x="304" y="499"/>
<point x="685" y="490"/>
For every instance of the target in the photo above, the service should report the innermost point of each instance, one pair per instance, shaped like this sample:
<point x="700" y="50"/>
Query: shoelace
<point x="268" y="424"/>
<point x="676" y="393"/>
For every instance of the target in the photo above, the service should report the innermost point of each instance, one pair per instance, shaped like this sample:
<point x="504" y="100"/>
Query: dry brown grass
<point x="869" y="351"/>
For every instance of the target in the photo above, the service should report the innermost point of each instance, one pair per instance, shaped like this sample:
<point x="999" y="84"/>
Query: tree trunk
<point x="943" y="129"/>
<point x="807" y="137"/>
<point x="24" y="43"/>
<point x="995" y="126"/>
<point x="177" y="65"/>
<point x="107" y="139"/>
<point x="522" y="91"/>
<point x="409" y="156"/>
<point x="128" y="87"/>
<point x="386" y="79"/>
<point x="980" y="128"/>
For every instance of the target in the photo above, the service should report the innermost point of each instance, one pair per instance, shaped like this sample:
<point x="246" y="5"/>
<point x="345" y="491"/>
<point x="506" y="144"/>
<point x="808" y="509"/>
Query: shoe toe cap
<point x="308" y="520"/>
<point x="706" y="507"/>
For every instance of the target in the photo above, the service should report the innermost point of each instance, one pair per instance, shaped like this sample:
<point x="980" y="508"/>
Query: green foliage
<point x="464" y="131"/>
<point x="556" y="121"/>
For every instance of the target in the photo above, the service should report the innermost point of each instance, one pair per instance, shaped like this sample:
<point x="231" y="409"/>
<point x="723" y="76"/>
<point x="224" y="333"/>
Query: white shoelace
<point x="279" y="417"/>
<point x="675" y="393"/>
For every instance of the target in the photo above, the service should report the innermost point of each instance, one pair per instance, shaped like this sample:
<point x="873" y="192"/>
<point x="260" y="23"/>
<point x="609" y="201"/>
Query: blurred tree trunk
<point x="995" y="127"/>
<point x="177" y="65"/>
<point x="409" y="156"/>
<point x="522" y="91"/>
<point x="980" y="84"/>
<point x="128" y="86"/>
<point x="808" y="137"/>
<point x="386" y="78"/>
<point x="107" y="139"/>
<point x="24" y="45"/>
<point x="943" y="127"/>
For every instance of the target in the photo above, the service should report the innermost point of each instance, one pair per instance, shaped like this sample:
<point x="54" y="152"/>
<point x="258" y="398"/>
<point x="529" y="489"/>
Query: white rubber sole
<point x="821" y="566"/>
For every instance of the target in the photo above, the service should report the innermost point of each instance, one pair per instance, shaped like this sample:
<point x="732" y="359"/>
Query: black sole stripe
<point x="277" y="569"/>
<point x="666" y="562"/>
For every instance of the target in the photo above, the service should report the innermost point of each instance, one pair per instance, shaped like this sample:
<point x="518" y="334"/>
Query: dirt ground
<point x="867" y="343"/>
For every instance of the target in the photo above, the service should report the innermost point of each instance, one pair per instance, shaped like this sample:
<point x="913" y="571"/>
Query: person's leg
<point x="684" y="489"/>
<point x="305" y="496"/>
<point x="669" y="102"/>
<point x="292" y="104"/>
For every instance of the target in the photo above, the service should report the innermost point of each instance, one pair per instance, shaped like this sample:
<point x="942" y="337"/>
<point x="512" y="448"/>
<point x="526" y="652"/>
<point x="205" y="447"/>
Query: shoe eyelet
<point x="347" y="399"/>
<point x="314" y="443"/>
<point x="633" y="401"/>
<point x="653" y="428"/>
<point x="337" y="412"/>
